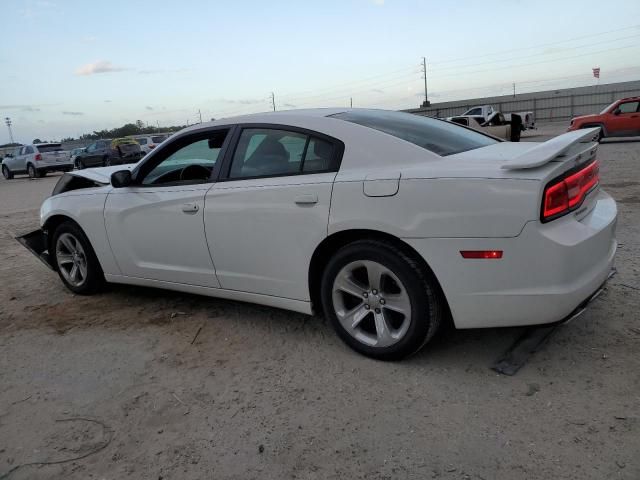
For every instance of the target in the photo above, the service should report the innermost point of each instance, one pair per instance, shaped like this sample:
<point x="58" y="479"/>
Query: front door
<point x="270" y="210"/>
<point x="627" y="121"/>
<point x="156" y="226"/>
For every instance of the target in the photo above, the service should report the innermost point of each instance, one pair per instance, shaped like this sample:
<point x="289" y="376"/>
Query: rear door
<point x="270" y="209"/>
<point x="627" y="121"/>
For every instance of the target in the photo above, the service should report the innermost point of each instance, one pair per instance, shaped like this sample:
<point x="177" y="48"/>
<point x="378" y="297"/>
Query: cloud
<point x="378" y="2"/>
<point x="148" y="108"/>
<point x="23" y="108"/>
<point x="101" y="66"/>
<point x="107" y="101"/>
<point x="88" y="39"/>
<point x="73" y="113"/>
<point x="377" y="90"/>
<point x="289" y="105"/>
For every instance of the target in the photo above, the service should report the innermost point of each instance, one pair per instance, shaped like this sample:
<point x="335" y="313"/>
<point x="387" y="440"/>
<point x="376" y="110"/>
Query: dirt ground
<point x="156" y="385"/>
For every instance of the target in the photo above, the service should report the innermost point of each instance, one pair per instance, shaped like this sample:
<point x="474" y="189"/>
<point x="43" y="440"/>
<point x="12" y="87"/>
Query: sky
<point x="69" y="67"/>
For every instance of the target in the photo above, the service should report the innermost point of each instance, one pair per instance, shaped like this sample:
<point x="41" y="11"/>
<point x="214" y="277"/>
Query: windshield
<point x="437" y="136"/>
<point x="608" y="107"/>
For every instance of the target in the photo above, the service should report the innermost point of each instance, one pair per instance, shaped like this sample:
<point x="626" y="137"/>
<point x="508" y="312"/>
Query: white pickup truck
<point x="37" y="160"/>
<point x="487" y="111"/>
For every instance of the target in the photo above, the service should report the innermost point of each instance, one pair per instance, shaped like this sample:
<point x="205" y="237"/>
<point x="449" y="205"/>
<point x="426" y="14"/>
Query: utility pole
<point x="273" y="101"/>
<point x="426" y="93"/>
<point x="514" y="89"/>
<point x="7" y="120"/>
<point x="200" y="115"/>
<point x="351" y="101"/>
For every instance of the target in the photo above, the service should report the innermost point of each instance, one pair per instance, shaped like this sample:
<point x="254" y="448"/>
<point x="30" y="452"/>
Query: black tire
<point x="80" y="164"/>
<point x="8" y="174"/>
<point x="106" y="162"/>
<point x="41" y="173"/>
<point x="94" y="281"/>
<point x="31" y="171"/>
<point x="427" y="305"/>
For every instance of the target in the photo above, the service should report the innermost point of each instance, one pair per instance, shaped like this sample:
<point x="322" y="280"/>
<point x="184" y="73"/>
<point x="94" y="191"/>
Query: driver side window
<point x="190" y="163"/>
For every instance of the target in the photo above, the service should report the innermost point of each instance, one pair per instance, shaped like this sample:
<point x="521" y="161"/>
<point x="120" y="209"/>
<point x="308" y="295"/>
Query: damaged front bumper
<point x="38" y="244"/>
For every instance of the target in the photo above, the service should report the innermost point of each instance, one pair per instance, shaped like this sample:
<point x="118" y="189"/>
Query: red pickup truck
<point x="620" y="119"/>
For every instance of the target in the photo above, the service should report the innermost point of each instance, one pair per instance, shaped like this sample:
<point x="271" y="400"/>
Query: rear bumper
<point x="56" y="167"/>
<point x="546" y="272"/>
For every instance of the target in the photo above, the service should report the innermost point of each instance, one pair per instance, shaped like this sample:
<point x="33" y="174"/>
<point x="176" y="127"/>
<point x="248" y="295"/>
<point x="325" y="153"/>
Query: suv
<point x="36" y="160"/>
<point x="103" y="153"/>
<point x="620" y="119"/>
<point x="148" y="143"/>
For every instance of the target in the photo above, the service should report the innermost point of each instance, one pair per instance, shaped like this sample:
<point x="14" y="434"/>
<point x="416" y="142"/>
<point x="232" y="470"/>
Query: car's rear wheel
<point x="31" y="171"/>
<point x="79" y="164"/>
<point x="6" y="173"/>
<point x="75" y="260"/>
<point x="106" y="162"/>
<point x="379" y="300"/>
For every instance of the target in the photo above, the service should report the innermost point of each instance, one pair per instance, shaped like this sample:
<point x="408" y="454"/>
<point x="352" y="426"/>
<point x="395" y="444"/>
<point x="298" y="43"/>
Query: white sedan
<point x="388" y="223"/>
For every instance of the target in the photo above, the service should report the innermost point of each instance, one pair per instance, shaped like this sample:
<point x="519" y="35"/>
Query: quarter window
<point x="272" y="152"/>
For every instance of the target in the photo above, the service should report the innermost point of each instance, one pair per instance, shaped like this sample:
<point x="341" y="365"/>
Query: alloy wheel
<point x="71" y="258"/>
<point x="371" y="303"/>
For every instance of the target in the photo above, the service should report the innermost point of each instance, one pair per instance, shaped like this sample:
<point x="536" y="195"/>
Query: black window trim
<point x="338" y="150"/>
<point x="162" y="153"/>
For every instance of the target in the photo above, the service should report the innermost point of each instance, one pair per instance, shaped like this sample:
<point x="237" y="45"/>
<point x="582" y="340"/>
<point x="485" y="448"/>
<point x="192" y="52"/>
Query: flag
<point x="596" y="72"/>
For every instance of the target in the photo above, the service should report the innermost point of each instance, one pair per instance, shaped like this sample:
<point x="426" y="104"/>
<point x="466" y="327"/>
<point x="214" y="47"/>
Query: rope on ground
<point x="57" y="462"/>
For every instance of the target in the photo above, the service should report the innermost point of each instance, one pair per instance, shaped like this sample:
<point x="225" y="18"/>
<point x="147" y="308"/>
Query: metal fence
<point x="547" y="106"/>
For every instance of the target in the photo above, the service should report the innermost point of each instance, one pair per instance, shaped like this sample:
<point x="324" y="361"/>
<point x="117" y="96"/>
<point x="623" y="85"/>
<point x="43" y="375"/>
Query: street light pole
<point x="7" y="120"/>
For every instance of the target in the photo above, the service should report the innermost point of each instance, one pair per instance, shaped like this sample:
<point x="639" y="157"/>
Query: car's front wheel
<point x="6" y="173"/>
<point x="379" y="300"/>
<point x="76" y="261"/>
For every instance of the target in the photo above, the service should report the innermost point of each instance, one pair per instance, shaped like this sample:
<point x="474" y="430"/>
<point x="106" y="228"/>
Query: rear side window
<point x="142" y="141"/>
<point x="263" y="152"/>
<point x="29" y="150"/>
<point x="437" y="136"/>
<point x="157" y="139"/>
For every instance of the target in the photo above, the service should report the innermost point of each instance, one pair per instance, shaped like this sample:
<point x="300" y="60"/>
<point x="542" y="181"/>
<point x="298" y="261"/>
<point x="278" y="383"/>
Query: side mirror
<point x="121" y="178"/>
<point x="616" y="111"/>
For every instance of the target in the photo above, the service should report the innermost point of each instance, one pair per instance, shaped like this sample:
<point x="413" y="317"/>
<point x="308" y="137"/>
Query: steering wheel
<point x="194" y="172"/>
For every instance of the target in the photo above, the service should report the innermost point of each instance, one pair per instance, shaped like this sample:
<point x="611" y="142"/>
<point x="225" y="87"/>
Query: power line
<point x="521" y="48"/>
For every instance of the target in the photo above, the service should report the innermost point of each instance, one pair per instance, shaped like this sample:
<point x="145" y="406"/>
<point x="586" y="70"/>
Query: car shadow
<point x="606" y="141"/>
<point x="472" y="349"/>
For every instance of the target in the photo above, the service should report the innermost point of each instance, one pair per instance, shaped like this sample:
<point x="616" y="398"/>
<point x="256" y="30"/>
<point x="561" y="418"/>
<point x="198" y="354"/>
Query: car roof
<point x="629" y="98"/>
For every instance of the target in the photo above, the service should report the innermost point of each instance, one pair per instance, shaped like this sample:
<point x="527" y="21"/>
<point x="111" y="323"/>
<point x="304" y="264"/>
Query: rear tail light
<point x="567" y="193"/>
<point x="38" y="157"/>
<point x="151" y="147"/>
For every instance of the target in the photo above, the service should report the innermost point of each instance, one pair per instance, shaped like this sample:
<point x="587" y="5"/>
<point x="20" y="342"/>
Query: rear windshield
<point x="51" y="147"/>
<point x="437" y="136"/>
<point x="157" y="139"/>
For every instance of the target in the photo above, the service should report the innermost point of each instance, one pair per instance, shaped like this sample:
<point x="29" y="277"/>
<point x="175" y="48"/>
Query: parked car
<point x="527" y="119"/>
<point x="75" y="152"/>
<point x="620" y="119"/>
<point x="107" y="152"/>
<point x="387" y="222"/>
<point x="36" y="160"/>
<point x="148" y="143"/>
<point x="497" y="125"/>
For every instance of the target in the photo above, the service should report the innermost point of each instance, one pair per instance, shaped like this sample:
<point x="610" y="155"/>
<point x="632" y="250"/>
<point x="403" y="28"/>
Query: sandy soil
<point x="158" y="385"/>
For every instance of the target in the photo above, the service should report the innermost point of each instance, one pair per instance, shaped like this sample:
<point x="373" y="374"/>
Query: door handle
<point x="307" y="199"/>
<point x="190" y="208"/>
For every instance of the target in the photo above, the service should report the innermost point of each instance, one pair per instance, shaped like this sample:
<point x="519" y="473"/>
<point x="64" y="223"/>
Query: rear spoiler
<point x="547" y="151"/>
